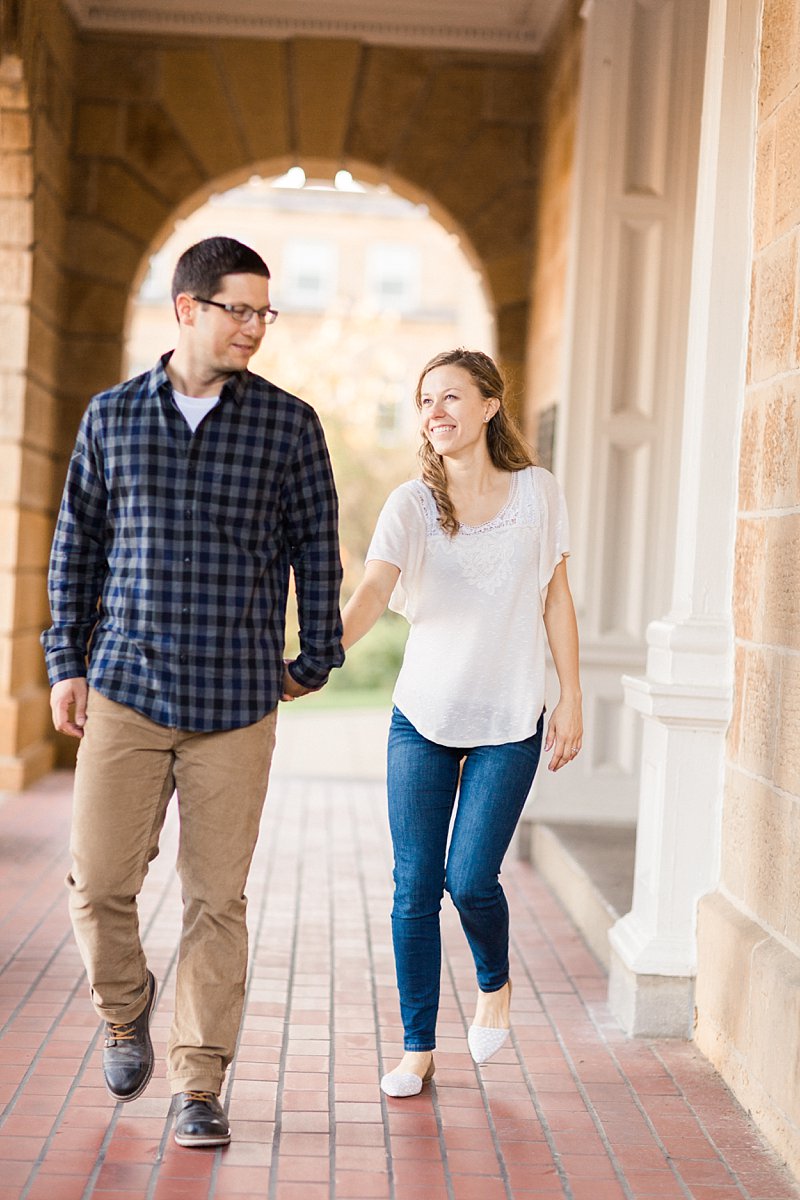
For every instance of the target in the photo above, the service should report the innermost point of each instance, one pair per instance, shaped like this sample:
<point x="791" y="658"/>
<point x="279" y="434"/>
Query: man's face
<point x="220" y="345"/>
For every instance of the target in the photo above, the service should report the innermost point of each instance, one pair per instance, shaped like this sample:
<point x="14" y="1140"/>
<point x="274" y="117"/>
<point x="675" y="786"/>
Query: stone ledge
<point x="747" y="1023"/>
<point x="590" y="869"/>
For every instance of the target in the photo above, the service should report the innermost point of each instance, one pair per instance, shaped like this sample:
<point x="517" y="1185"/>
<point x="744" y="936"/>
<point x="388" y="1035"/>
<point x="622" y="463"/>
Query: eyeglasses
<point x="242" y="313"/>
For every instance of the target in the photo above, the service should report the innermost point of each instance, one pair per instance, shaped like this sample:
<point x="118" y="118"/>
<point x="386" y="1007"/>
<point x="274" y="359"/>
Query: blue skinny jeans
<point x="423" y="781"/>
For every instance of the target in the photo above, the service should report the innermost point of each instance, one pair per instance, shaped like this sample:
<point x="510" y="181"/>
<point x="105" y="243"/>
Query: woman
<point x="473" y="555"/>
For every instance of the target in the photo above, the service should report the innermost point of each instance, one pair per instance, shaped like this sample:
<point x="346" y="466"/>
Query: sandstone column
<point x="25" y="751"/>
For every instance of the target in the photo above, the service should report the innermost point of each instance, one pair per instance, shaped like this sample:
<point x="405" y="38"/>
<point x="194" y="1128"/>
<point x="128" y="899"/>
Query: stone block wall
<point x="552" y="231"/>
<point x="35" y="130"/>
<point x="748" y="998"/>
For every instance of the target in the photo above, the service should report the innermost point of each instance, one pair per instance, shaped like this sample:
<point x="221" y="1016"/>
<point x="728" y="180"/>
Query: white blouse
<point x="473" y="673"/>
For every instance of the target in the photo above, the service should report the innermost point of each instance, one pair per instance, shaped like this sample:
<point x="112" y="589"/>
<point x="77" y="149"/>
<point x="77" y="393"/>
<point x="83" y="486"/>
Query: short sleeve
<point x="554" y="525"/>
<point x="399" y="538"/>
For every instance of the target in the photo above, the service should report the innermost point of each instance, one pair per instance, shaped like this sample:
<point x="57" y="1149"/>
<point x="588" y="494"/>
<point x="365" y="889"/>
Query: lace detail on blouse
<point x="519" y="509"/>
<point x="486" y="562"/>
<point x="486" y="554"/>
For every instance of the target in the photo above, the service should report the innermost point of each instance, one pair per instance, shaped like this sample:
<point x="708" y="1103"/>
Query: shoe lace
<point x="201" y="1097"/>
<point x="120" y="1033"/>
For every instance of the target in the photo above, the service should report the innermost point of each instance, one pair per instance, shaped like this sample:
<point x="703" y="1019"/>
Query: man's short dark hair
<point x="201" y="268"/>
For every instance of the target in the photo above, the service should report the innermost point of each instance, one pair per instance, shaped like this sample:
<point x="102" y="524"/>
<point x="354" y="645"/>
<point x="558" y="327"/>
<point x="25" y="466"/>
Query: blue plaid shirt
<point x="170" y="562"/>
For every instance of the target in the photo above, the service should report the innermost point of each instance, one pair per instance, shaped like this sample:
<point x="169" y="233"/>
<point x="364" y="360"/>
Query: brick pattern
<point x="750" y="935"/>
<point x="571" y="1109"/>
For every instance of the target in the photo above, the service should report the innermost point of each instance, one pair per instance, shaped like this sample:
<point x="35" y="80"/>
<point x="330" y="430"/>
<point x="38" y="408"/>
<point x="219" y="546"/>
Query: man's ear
<point x="184" y="308"/>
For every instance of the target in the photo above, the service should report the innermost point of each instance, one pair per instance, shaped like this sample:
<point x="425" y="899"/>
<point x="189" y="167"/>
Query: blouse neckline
<point x="501" y="512"/>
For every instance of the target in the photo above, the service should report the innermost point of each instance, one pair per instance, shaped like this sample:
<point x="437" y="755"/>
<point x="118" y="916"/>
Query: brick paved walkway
<point x="570" y="1109"/>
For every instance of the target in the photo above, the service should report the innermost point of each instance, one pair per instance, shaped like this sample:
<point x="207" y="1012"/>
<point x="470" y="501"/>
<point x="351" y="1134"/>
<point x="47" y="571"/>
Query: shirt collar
<point x="235" y="386"/>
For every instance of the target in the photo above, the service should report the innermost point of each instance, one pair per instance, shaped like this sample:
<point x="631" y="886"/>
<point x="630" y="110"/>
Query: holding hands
<point x="292" y="690"/>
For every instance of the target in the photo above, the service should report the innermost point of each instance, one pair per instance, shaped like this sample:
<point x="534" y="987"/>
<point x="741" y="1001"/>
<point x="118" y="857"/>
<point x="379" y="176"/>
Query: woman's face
<point x="453" y="410"/>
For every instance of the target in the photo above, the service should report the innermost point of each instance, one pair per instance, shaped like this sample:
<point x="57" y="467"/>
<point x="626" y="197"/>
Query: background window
<point x="309" y="274"/>
<point x="392" y="280"/>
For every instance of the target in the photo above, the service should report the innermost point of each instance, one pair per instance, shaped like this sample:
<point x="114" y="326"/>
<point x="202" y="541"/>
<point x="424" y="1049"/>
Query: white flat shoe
<point x="405" y="1083"/>
<point x="484" y="1042"/>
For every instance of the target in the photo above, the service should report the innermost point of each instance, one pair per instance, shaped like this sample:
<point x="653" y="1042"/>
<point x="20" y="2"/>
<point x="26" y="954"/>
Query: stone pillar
<point x="25" y="750"/>
<point x="618" y="425"/>
<point x="685" y="696"/>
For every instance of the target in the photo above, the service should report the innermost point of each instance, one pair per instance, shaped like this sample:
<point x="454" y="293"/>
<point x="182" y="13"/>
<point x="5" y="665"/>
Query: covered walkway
<point x="570" y="1109"/>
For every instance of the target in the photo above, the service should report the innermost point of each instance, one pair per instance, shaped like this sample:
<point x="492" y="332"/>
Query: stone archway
<point x="157" y="124"/>
<point x="139" y="128"/>
<point x="325" y="170"/>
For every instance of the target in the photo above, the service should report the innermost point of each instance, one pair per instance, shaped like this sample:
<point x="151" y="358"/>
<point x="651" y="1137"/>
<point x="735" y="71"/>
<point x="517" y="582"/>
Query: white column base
<point x="685" y="701"/>
<point x="602" y="784"/>
<point x="656" y="1006"/>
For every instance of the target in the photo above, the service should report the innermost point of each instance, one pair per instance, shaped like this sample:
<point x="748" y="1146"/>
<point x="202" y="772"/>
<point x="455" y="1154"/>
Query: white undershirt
<point x="473" y="672"/>
<point x="194" y="408"/>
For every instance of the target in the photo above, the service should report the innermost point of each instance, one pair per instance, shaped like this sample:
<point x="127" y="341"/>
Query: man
<point x="191" y="491"/>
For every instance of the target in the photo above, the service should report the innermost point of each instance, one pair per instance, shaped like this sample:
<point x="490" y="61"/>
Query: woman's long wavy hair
<point x="507" y="448"/>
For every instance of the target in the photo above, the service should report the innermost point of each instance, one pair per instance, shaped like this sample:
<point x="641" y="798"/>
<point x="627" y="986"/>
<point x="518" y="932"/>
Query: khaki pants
<point x="128" y="768"/>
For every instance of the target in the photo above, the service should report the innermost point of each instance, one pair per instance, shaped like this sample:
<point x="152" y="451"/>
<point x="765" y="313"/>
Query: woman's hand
<point x="565" y="727"/>
<point x="564" y="732"/>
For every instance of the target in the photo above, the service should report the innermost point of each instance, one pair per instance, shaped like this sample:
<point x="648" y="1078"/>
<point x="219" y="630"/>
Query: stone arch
<point x="322" y="169"/>
<point x="158" y="123"/>
<point x="132" y="128"/>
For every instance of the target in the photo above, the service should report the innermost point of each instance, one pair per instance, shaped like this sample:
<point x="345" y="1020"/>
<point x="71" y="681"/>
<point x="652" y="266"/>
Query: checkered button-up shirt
<point x="186" y="541"/>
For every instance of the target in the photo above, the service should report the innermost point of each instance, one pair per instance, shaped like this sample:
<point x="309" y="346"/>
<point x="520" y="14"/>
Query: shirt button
<point x="185" y="609"/>
<point x="188" y="512"/>
<point x="188" y="558"/>
<point x="184" y="658"/>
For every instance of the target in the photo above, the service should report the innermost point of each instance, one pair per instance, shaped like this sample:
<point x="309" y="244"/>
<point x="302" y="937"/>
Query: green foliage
<point x="373" y="663"/>
<point x="371" y="667"/>
<point x="364" y="478"/>
<point x="326" y="699"/>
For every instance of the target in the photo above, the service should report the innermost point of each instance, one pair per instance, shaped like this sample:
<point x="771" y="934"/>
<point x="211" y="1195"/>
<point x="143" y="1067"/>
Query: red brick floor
<point x="570" y="1109"/>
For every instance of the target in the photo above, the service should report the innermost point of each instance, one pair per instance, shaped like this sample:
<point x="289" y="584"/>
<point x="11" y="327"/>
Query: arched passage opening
<point x="369" y="285"/>
<point x="159" y="124"/>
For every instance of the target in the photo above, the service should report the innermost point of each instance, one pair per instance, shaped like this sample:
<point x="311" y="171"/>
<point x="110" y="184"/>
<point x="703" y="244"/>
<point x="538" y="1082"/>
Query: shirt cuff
<point x="310" y="675"/>
<point x="65" y="664"/>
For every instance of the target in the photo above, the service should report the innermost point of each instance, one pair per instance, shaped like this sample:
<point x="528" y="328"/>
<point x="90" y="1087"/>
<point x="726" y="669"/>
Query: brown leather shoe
<point x="128" y="1052"/>
<point x="200" y="1120"/>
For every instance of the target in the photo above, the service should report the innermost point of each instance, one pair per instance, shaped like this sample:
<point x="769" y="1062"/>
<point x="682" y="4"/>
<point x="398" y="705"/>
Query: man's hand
<point x="66" y="694"/>
<point x="292" y="690"/>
